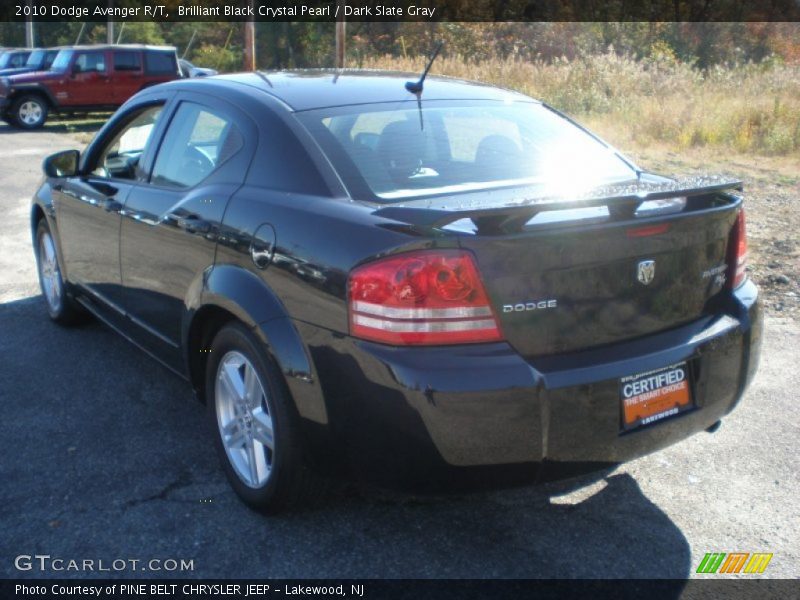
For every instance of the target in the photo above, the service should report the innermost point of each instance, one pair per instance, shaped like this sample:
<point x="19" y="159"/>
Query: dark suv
<point x="84" y="78"/>
<point x="13" y="58"/>
<point x="39" y="59"/>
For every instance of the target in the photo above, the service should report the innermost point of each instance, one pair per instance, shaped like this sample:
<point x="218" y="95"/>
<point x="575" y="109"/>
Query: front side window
<point x="127" y="60"/>
<point x="389" y="154"/>
<point x="119" y="159"/>
<point x="199" y="140"/>
<point x="90" y="62"/>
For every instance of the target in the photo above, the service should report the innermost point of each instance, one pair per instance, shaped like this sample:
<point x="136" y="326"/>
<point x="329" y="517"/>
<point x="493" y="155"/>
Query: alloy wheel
<point x="49" y="272"/>
<point x="244" y="419"/>
<point x="30" y="112"/>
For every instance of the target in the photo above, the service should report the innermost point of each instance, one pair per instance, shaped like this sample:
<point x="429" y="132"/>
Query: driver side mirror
<point x="62" y="164"/>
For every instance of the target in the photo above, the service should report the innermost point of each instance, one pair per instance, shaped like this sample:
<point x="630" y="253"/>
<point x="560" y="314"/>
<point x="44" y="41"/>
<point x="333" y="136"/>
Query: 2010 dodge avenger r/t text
<point x="429" y="279"/>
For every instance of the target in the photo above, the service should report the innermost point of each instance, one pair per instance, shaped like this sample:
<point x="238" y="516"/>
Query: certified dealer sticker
<point x="655" y="395"/>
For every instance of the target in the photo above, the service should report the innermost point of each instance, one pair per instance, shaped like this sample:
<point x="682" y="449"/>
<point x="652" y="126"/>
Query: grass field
<point x="749" y="109"/>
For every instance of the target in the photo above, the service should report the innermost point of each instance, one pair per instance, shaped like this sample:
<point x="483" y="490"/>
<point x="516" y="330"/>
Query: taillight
<point x="421" y="298"/>
<point x="737" y="253"/>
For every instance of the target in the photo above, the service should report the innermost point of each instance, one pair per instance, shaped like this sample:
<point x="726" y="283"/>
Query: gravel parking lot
<point x="104" y="455"/>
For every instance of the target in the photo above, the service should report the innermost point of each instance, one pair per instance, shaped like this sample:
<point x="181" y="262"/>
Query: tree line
<point x="308" y="44"/>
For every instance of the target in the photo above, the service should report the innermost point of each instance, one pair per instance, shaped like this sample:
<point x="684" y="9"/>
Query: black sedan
<point x="353" y="269"/>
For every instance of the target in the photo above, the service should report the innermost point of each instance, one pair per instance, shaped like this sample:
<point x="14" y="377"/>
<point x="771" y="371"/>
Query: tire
<point x="29" y="111"/>
<point x="255" y="427"/>
<point x="60" y="306"/>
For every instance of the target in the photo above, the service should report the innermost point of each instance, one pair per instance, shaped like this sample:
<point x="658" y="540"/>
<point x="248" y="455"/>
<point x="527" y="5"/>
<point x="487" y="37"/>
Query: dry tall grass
<point x="749" y="109"/>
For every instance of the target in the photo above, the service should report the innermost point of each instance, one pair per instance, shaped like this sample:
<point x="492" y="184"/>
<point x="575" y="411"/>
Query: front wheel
<point x="61" y="308"/>
<point x="29" y="111"/>
<point x="256" y="432"/>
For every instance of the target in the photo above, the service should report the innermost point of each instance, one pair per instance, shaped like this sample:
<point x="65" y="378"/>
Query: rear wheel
<point x="29" y="111"/>
<point x="256" y="432"/>
<point x="61" y="308"/>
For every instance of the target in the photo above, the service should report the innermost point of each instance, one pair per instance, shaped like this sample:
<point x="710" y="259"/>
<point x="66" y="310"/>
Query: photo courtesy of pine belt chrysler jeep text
<point x="413" y="280"/>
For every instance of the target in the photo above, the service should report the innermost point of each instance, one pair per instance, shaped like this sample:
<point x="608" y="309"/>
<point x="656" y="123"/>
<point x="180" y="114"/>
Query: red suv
<point x="84" y="78"/>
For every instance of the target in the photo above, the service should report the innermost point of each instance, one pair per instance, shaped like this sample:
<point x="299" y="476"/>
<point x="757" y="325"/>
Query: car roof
<point x="308" y="89"/>
<point x="119" y="47"/>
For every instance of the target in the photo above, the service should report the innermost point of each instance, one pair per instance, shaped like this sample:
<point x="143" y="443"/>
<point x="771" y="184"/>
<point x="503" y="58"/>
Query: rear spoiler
<point x="621" y="200"/>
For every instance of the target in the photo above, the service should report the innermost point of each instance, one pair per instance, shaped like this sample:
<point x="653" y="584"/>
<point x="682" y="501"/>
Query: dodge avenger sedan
<point x="427" y="277"/>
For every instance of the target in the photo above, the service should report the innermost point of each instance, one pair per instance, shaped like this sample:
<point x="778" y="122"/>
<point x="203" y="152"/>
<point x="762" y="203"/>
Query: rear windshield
<point x="391" y="153"/>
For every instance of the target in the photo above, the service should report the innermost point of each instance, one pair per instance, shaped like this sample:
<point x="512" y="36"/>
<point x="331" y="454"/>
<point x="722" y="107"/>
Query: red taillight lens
<point x="737" y="253"/>
<point x="425" y="297"/>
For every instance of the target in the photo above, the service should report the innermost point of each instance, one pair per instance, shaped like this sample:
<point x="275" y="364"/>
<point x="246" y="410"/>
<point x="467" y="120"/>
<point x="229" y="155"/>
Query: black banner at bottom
<point x="462" y="589"/>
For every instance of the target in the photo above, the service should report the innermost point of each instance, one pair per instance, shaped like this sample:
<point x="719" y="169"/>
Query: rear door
<point x="128" y="74"/>
<point x="170" y="225"/>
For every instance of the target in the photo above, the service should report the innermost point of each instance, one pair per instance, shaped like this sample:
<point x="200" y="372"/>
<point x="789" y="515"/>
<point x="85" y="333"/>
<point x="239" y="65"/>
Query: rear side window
<point x="90" y="61"/>
<point x="160" y="63"/>
<point x="127" y="61"/>
<point x="199" y="140"/>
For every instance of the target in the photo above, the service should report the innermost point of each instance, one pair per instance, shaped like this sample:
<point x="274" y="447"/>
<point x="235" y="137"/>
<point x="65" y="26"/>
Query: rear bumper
<point x="402" y="409"/>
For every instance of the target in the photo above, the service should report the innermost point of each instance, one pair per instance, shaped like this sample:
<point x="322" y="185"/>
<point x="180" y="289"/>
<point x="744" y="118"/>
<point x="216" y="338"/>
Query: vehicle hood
<point x="15" y="71"/>
<point x="34" y="77"/>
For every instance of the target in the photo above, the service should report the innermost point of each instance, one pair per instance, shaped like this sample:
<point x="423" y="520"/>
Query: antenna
<point x="415" y="87"/>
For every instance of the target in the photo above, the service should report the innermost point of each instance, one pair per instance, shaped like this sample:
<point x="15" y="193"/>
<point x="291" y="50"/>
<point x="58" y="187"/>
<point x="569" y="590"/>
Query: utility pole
<point x="29" y="27"/>
<point x="29" y="32"/>
<point x="340" y="35"/>
<point x="110" y="26"/>
<point x="250" y="43"/>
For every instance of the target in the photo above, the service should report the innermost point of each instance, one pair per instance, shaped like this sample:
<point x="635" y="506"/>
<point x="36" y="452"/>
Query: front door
<point x="89" y="84"/>
<point x="88" y="207"/>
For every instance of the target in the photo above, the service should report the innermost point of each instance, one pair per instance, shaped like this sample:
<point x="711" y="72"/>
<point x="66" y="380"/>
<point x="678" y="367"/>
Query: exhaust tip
<point x="714" y="427"/>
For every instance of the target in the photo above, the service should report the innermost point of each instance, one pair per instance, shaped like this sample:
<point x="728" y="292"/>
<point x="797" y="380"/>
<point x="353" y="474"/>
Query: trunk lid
<point x="597" y="270"/>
